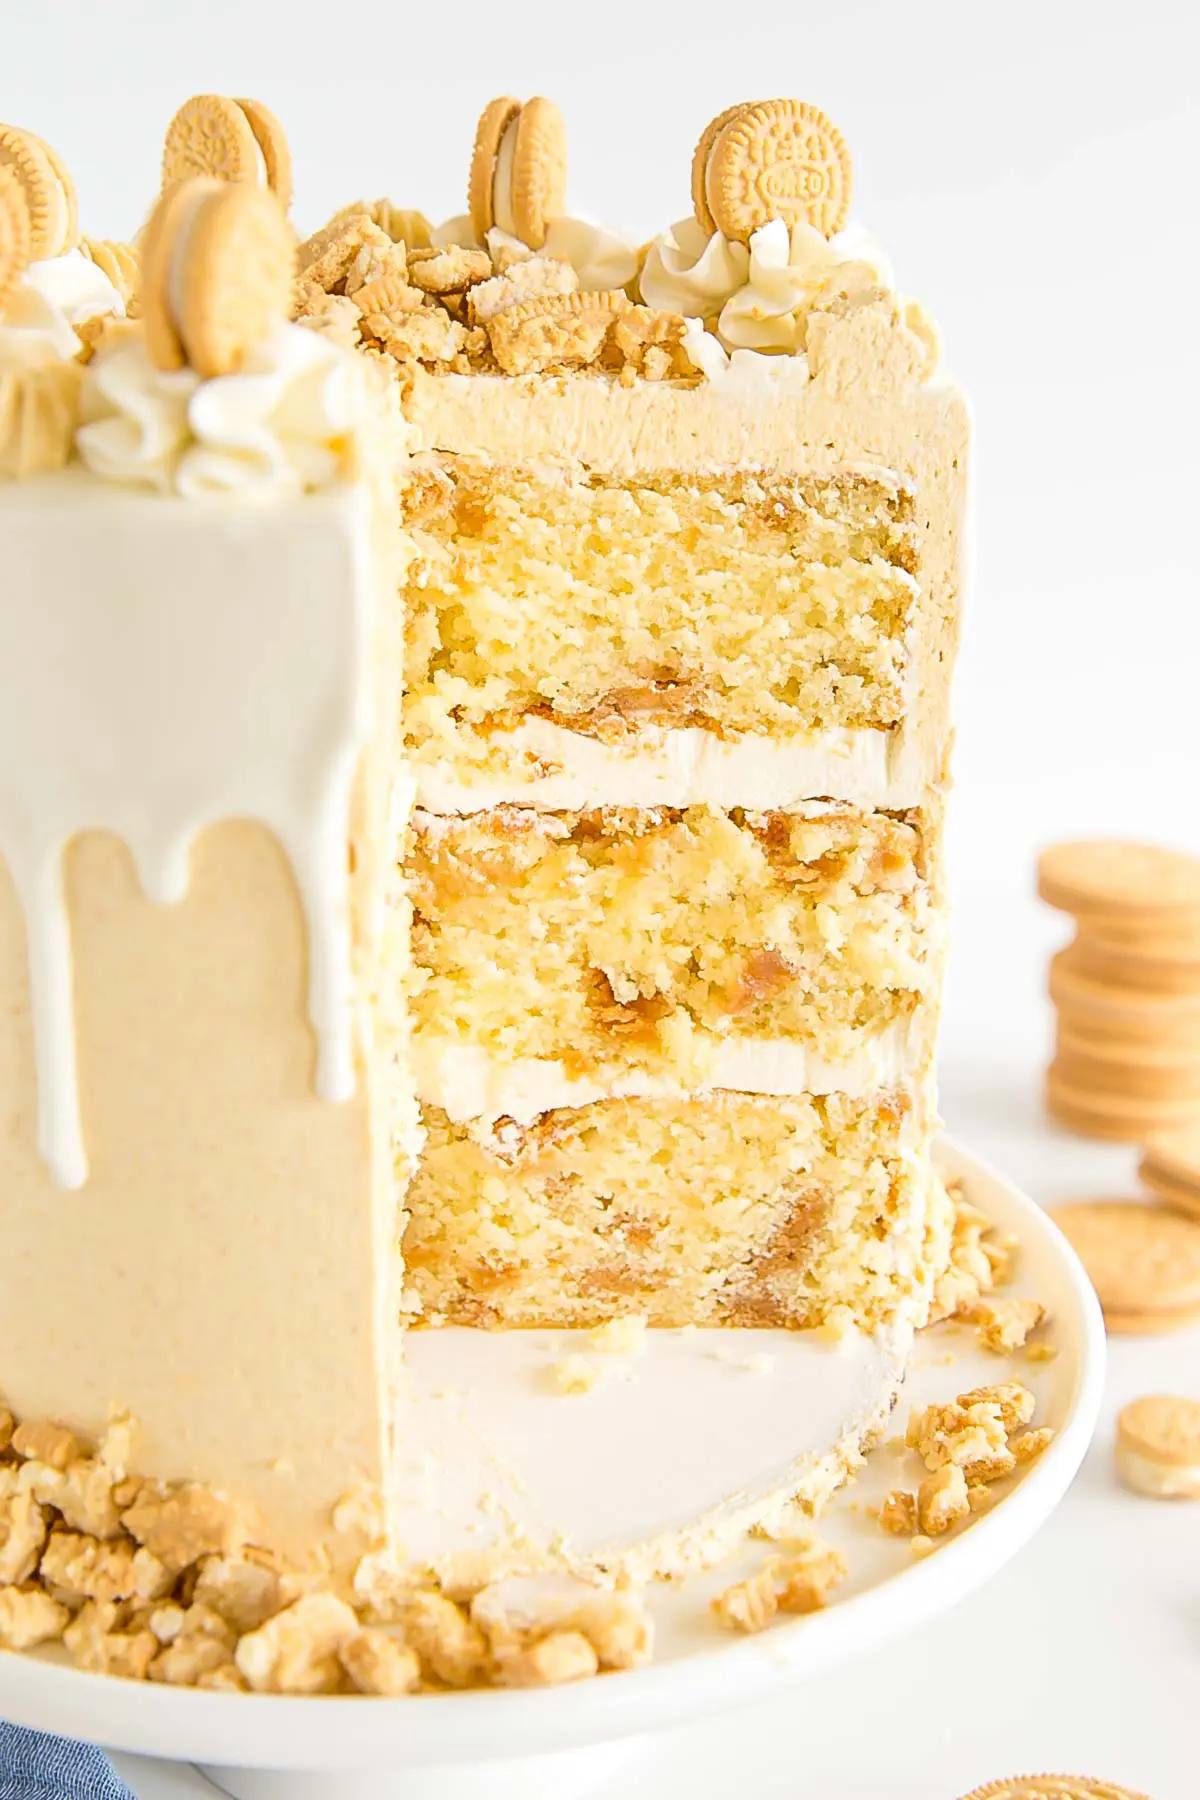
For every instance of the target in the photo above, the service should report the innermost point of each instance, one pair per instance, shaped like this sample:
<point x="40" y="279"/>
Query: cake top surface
<point x="519" y="284"/>
<point x="212" y="354"/>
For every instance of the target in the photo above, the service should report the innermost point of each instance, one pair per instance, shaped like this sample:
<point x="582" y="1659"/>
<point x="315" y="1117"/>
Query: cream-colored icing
<point x="502" y="182"/>
<point x="748" y="373"/>
<point x="51" y="299"/>
<point x="288" y="422"/>
<point x="467" y="1083"/>
<point x="158" y="679"/>
<point x="551" y="766"/>
<point x="758" y="296"/>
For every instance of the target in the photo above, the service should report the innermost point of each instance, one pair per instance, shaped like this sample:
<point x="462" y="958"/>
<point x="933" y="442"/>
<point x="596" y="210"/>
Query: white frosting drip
<point x="163" y="668"/>
<point x="469" y="1084"/>
<point x="286" y="424"/>
<point x="50" y="300"/>
<point x="681" y="766"/>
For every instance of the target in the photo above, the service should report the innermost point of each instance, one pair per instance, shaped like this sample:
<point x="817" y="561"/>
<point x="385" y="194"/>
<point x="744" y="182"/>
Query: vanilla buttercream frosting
<point x="286" y="423"/>
<point x="55" y="296"/>
<point x="755" y="297"/>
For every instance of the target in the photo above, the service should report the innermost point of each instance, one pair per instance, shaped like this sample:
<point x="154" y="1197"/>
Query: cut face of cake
<point x="474" y="722"/>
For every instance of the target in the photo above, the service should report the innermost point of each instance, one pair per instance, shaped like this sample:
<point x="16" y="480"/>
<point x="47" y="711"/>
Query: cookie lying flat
<point x="1091" y="1003"/>
<point x="1158" y="1447"/>
<point x="1052" y="1787"/>
<point x="1174" y="1157"/>
<point x="1147" y="1070"/>
<point x="1106" y="876"/>
<point x="1143" y="1261"/>
<point x="1124" y="1118"/>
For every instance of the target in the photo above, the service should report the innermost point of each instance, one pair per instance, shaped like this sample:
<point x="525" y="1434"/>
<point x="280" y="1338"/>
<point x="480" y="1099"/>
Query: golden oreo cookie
<point x="1052" y="1787"/>
<point x="271" y="139"/>
<point x="1157" y="1450"/>
<point x="164" y="345"/>
<point x="1106" y="876"/>
<point x="539" y="170"/>
<point x="210" y="135"/>
<point x="778" y="159"/>
<point x="494" y="121"/>
<point x="1143" y="1260"/>
<point x="50" y="203"/>
<point x="1123" y="1118"/>
<point x="700" y="155"/>
<point x="67" y="183"/>
<point x="236" y="278"/>
<point x="15" y="236"/>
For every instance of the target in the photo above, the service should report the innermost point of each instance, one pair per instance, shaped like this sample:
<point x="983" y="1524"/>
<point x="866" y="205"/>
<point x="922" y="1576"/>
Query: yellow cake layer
<point x="737" y="602"/>
<point x="643" y="939"/>
<point x="734" y="1209"/>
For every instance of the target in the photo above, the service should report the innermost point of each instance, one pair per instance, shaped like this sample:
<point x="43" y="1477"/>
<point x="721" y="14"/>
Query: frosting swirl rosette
<point x="757" y="296"/>
<point x="286" y="423"/>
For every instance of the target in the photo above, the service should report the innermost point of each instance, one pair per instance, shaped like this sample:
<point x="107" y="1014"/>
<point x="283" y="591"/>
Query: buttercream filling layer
<point x="554" y="767"/>
<point x="466" y="1082"/>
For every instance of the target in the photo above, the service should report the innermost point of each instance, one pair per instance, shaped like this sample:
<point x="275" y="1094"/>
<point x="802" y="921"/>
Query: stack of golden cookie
<point x="1126" y="989"/>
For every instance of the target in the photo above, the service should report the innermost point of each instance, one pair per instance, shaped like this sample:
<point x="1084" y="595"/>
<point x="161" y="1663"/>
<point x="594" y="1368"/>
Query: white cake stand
<point x="563" y="1743"/>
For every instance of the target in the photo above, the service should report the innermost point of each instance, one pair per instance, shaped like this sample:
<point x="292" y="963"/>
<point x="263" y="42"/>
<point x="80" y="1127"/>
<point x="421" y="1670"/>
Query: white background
<point x="1033" y="168"/>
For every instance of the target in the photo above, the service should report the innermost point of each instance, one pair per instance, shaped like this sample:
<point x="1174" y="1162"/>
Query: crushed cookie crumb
<point x="82" y="1493"/>
<point x="39" y="1440"/>
<point x="377" y="1663"/>
<point x="28" y="1617"/>
<point x="188" y="1660"/>
<point x="23" y="1528"/>
<point x="183" y="1524"/>
<point x="1013" y="1401"/>
<point x="85" y="1568"/>
<point x="449" y="270"/>
<point x="452" y="1648"/>
<point x="805" y="1577"/>
<point x="246" y="1593"/>
<point x="898" y="1514"/>
<point x="549" y="1661"/>
<point x="748" y="1605"/>
<point x="1005" y="1325"/>
<point x="98" y="1644"/>
<point x="797" y="1581"/>
<point x="532" y="278"/>
<point x="942" y="1500"/>
<point x="1027" y="1445"/>
<point x="576" y="1374"/>
<point x="296" y="1652"/>
<point x="622" y="1336"/>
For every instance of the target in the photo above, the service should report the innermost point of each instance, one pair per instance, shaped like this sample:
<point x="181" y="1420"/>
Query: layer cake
<point x="473" y="750"/>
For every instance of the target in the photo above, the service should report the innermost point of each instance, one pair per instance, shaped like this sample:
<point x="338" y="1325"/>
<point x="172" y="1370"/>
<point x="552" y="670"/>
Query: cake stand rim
<point x="318" y="1733"/>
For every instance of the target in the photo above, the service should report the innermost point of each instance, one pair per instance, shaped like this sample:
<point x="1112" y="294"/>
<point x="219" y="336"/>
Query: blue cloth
<point x="36" y="1767"/>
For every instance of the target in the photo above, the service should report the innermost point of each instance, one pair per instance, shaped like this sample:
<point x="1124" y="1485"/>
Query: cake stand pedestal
<point x="570" y="1742"/>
